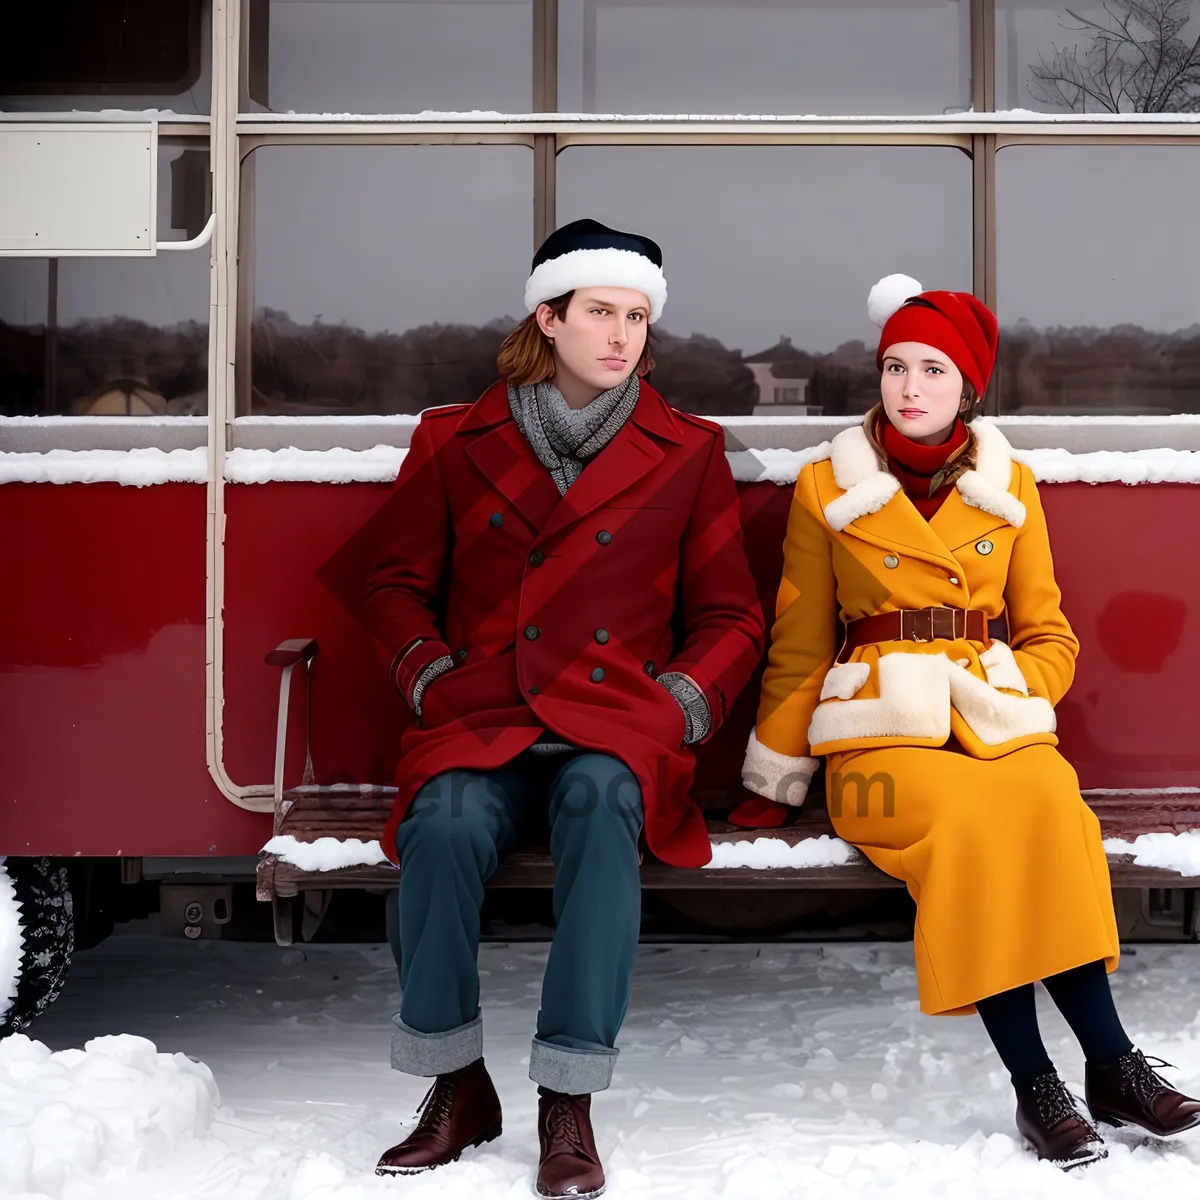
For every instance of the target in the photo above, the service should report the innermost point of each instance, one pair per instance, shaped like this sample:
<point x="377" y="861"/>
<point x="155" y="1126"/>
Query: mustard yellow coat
<point x="996" y="845"/>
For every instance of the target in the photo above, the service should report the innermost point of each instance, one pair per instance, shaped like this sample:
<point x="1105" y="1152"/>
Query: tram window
<point x="1065" y="56"/>
<point x="384" y="278"/>
<point x="91" y="54"/>
<point x="764" y="56"/>
<point x="1098" y="254"/>
<point x="389" y="56"/>
<point x="770" y="252"/>
<point x="113" y="336"/>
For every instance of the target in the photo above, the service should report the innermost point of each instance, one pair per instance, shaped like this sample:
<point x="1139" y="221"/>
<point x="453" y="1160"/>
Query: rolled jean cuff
<point x="566" y="1069"/>
<point x="428" y="1054"/>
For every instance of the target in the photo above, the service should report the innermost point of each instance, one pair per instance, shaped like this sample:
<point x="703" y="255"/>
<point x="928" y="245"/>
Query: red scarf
<point x="915" y="465"/>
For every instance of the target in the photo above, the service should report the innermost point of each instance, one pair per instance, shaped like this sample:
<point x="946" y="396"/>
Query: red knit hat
<point x="959" y="325"/>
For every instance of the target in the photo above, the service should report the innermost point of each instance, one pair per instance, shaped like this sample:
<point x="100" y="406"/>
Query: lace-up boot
<point x="570" y="1164"/>
<point x="1127" y="1091"/>
<point x="461" y="1109"/>
<point x="1048" y="1118"/>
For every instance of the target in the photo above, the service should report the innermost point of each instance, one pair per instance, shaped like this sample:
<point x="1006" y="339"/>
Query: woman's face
<point x="922" y="391"/>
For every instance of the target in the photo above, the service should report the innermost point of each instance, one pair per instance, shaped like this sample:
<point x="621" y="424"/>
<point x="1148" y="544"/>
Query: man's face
<point x="600" y="339"/>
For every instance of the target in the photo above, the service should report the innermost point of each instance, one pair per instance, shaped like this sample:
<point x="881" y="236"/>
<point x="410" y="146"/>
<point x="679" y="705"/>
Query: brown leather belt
<point x="925" y="625"/>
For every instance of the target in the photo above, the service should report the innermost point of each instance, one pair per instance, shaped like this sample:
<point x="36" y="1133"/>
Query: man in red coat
<point x="562" y="589"/>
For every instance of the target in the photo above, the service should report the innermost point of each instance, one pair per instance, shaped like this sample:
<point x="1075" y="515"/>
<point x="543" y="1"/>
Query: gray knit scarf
<point x="565" y="438"/>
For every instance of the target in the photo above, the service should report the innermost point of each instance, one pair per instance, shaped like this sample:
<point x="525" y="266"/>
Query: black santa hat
<point x="588" y="254"/>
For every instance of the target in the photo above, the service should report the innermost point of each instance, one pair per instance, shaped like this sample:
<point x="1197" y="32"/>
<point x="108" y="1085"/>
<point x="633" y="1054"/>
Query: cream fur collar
<point x="867" y="487"/>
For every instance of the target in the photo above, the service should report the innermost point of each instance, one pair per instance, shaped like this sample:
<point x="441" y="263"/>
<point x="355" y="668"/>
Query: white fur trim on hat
<point x="597" y="268"/>
<point x="888" y="295"/>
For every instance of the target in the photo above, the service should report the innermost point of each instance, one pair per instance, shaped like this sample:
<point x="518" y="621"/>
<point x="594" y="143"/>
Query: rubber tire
<point x="43" y="891"/>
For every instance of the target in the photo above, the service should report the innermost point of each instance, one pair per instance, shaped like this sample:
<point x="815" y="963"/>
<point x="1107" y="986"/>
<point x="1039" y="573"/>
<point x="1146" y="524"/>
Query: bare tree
<point x="1134" y="61"/>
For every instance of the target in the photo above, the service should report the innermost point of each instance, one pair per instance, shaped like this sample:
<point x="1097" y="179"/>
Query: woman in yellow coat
<point x="935" y="714"/>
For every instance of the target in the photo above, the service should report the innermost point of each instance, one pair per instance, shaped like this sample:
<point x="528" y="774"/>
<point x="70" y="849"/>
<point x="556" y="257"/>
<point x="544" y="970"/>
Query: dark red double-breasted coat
<point x="560" y="611"/>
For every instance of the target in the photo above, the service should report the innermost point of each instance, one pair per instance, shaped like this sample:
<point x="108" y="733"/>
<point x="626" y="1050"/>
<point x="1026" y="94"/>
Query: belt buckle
<point x="942" y="620"/>
<point x="911" y="622"/>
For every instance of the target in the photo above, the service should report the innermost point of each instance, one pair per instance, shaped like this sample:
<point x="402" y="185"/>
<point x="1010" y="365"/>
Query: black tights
<point x="1083" y="997"/>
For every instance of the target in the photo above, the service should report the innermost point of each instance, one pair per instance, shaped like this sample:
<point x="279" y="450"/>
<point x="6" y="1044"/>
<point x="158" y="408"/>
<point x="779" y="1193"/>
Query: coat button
<point x="604" y="537"/>
<point x="984" y="547"/>
<point x="532" y="632"/>
<point x="602" y="636"/>
<point x="890" y="560"/>
<point x="954" y="580"/>
<point x="598" y="675"/>
<point x="534" y="691"/>
<point x="648" y="668"/>
<point x="462" y="654"/>
<point x="495" y="520"/>
<point x="536" y="558"/>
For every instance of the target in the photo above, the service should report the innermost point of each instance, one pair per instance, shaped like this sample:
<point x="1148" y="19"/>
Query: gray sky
<point x="1099" y="235"/>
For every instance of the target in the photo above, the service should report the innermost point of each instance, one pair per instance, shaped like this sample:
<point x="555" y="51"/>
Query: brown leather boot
<point x="570" y="1165"/>
<point x="460" y="1110"/>
<point x="1128" y="1092"/>
<point x="1047" y="1117"/>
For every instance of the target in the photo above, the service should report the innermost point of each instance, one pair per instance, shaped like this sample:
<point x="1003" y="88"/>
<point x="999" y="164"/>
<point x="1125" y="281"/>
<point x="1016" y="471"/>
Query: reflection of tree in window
<point x="1133" y="56"/>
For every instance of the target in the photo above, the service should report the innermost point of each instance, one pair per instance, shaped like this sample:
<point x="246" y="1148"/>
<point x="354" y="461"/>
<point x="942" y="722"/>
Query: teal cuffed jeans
<point x="459" y="826"/>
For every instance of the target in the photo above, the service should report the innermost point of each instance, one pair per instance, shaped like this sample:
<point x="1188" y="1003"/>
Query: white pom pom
<point x="888" y="295"/>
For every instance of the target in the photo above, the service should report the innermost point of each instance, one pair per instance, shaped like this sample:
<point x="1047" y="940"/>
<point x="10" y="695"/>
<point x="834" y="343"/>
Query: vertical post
<point x="545" y="99"/>
<point x="983" y="55"/>
<point x="221" y="381"/>
<point x="50" y="376"/>
<point x="983" y="162"/>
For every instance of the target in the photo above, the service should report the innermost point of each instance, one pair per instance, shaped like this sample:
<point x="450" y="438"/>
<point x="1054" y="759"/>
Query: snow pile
<point x="130" y="468"/>
<point x="1112" y="466"/>
<point x="94" y="1114"/>
<point x="326" y="853"/>
<point x="380" y="464"/>
<point x="764" y="853"/>
<point x="1171" y="851"/>
<point x="11" y="942"/>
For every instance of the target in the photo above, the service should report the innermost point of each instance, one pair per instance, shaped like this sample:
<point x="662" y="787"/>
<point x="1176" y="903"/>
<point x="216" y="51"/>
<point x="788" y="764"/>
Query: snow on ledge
<point x="131" y="468"/>
<point x="1048" y="465"/>
<point x="763" y="853"/>
<point x="490" y="116"/>
<point x="768" y="853"/>
<point x="1171" y="851"/>
<point x="326" y="853"/>
<point x="380" y="464"/>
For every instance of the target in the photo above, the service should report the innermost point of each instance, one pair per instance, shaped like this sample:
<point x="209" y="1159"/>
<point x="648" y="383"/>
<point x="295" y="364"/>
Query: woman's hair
<point x="959" y="463"/>
<point x="527" y="355"/>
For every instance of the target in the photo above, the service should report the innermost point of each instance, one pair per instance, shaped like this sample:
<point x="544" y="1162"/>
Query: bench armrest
<point x="287" y="656"/>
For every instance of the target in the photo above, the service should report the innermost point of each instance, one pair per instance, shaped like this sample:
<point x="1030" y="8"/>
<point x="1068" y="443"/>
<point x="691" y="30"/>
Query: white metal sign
<point x="83" y="189"/>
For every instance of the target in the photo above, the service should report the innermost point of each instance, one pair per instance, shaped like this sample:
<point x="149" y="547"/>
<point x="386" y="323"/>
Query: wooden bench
<point x="342" y="811"/>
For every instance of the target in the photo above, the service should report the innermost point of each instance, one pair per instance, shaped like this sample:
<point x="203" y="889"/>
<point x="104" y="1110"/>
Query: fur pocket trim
<point x="843" y="681"/>
<point x="996" y="717"/>
<point x="1001" y="666"/>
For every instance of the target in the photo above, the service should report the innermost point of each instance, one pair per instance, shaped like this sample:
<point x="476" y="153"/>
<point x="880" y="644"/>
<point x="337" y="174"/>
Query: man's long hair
<point x="527" y="355"/>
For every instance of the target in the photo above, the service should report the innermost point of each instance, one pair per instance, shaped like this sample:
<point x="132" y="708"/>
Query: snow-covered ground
<point x="749" y="1071"/>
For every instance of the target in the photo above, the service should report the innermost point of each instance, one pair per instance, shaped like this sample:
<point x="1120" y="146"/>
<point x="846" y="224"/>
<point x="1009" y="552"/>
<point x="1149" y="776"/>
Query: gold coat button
<point x="984" y="547"/>
<point x="890" y="560"/>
